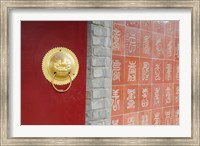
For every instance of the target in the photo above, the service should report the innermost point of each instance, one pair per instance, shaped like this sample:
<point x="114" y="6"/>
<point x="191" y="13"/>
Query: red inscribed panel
<point x="147" y="72"/>
<point x="40" y="103"/>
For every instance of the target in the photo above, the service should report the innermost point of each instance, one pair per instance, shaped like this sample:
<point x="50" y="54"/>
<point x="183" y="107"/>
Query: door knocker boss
<point x="60" y="67"/>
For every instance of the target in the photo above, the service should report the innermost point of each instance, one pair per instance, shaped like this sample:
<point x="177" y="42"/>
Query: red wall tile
<point x="170" y="28"/>
<point x="176" y="72"/>
<point x="131" y="70"/>
<point x="117" y="70"/>
<point x="177" y="28"/>
<point x="168" y="96"/>
<point x="157" y="118"/>
<point x="168" y="71"/>
<point x="131" y="98"/>
<point x="168" y="115"/>
<point x="157" y="71"/>
<point x="176" y="115"/>
<point x="117" y="120"/>
<point x="169" y="47"/>
<point x="146" y="25"/>
<point x="118" y="35"/>
<point x="176" y="94"/>
<point x="117" y="100"/>
<point x="145" y="70"/>
<point x="158" y="26"/>
<point x="146" y="44"/>
<point x="145" y="118"/>
<point x="135" y="24"/>
<point x="157" y="95"/>
<point x="145" y="97"/>
<point x="158" y="45"/>
<point x="176" y="45"/>
<point x="119" y="22"/>
<point x="132" y="41"/>
<point x="131" y="119"/>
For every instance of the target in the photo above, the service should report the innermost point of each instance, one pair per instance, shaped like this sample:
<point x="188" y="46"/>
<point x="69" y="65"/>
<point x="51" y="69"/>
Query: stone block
<point x="107" y="23"/>
<point x="88" y="115"/>
<point x="101" y="31"/>
<point x="98" y="31"/>
<point x="102" y="51"/>
<point x="89" y="61"/>
<point x="97" y="40"/>
<point x="98" y="83"/>
<point x="98" y="72"/>
<point x="99" y="114"/>
<point x="108" y="101"/>
<point x="89" y="95"/>
<point x="101" y="72"/>
<point x="88" y="108"/>
<point x="107" y="121"/>
<point x="101" y="61"/>
<point x="101" y="93"/>
<point x="97" y="104"/>
<point x="99" y="122"/>
<point x="89" y="73"/>
<point x="107" y="42"/>
<point x="108" y="83"/>
<point x="98" y="22"/>
<point x="107" y="72"/>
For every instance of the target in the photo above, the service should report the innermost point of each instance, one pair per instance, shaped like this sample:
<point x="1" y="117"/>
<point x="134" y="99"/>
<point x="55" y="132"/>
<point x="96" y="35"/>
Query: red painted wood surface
<point x="40" y="103"/>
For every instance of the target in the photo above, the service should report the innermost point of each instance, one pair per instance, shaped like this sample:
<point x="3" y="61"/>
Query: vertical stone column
<point x="99" y="73"/>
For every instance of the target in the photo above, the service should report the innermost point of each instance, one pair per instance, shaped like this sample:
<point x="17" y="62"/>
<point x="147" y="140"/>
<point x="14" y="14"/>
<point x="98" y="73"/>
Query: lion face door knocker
<point x="60" y="67"/>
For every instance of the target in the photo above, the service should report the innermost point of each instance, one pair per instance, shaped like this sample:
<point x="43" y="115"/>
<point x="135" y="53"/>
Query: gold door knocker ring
<point x="61" y="90"/>
<point x="60" y="67"/>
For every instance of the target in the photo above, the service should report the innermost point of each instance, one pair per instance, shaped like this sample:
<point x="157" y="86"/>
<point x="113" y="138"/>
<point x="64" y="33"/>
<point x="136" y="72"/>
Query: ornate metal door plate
<point x="60" y="66"/>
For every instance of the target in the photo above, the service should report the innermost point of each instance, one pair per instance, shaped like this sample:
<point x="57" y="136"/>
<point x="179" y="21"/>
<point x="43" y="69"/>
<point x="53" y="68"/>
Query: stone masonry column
<point x="99" y="73"/>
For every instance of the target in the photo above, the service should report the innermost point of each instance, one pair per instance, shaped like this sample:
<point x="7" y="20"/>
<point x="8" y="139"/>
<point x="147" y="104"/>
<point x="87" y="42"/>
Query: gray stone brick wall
<point x="99" y="73"/>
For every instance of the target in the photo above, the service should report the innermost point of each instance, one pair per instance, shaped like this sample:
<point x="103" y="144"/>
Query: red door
<point x="40" y="103"/>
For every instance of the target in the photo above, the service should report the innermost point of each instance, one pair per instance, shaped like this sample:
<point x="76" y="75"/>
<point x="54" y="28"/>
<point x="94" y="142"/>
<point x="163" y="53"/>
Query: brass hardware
<point x="61" y="90"/>
<point x="60" y="67"/>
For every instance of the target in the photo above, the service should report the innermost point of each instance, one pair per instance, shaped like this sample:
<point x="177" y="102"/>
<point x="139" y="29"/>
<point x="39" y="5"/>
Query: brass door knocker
<point x="60" y="67"/>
